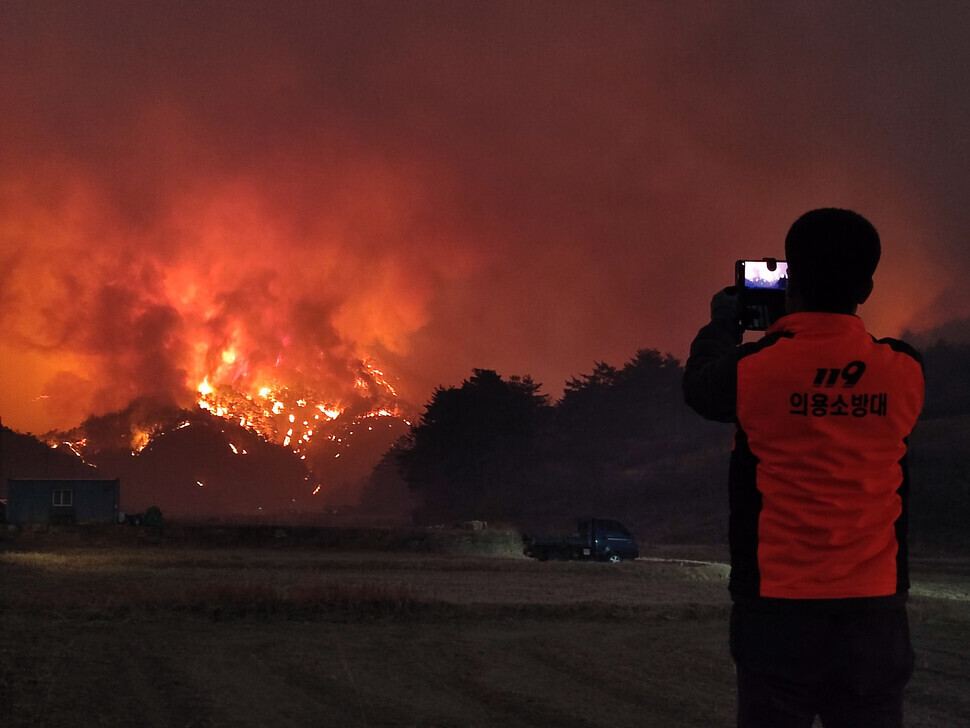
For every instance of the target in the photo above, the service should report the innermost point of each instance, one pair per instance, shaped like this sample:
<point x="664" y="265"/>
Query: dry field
<point x="162" y="636"/>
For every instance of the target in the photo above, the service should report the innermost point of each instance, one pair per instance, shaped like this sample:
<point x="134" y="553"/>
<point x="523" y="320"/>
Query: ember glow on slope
<point x="269" y="195"/>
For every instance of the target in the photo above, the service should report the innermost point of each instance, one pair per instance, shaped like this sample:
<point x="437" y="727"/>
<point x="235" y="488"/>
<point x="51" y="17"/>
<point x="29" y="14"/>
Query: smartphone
<point x="761" y="288"/>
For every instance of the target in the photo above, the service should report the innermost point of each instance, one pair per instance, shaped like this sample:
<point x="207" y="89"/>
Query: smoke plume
<point x="297" y="194"/>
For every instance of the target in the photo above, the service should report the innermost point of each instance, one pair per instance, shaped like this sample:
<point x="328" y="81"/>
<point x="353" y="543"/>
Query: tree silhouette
<point x="604" y="412"/>
<point x="476" y="450"/>
<point x="606" y="421"/>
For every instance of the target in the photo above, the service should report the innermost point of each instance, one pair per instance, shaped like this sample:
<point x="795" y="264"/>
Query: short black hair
<point x="832" y="254"/>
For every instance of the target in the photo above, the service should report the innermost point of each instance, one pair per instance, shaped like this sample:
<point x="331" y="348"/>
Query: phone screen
<point x="757" y="274"/>
<point x="761" y="287"/>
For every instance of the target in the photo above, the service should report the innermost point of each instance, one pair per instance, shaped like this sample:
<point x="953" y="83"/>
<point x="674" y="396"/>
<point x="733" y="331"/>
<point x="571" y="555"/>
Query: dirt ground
<point x="188" y="637"/>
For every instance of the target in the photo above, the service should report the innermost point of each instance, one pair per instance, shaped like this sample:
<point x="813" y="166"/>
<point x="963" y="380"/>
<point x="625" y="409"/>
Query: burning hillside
<point x="195" y="463"/>
<point x="222" y="306"/>
<point x="294" y="417"/>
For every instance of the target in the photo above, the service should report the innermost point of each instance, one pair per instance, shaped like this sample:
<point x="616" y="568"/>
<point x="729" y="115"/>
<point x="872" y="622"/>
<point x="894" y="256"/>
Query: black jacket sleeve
<point x="711" y="373"/>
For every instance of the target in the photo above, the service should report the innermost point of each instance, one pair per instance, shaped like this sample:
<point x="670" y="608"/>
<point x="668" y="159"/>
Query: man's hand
<point x="725" y="304"/>
<point x="726" y="311"/>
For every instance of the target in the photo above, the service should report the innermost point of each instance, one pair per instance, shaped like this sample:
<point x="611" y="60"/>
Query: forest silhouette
<point x="621" y="442"/>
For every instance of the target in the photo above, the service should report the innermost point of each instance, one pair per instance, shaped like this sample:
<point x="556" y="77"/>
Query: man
<point x="818" y="487"/>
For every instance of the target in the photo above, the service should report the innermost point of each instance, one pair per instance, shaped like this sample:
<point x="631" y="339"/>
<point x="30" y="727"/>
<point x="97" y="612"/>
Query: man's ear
<point x="865" y="292"/>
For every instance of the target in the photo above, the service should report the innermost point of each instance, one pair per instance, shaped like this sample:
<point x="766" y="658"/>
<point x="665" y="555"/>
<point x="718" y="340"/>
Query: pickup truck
<point x="595" y="539"/>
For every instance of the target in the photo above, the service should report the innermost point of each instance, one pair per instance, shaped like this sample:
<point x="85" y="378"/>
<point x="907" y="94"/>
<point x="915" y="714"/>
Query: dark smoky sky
<point x="524" y="186"/>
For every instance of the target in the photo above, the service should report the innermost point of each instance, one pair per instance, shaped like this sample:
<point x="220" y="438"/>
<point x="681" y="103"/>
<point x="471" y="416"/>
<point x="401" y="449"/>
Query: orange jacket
<point x="818" y="481"/>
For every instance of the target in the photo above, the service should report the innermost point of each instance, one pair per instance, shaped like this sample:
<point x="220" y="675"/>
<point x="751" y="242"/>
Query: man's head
<point x="831" y="255"/>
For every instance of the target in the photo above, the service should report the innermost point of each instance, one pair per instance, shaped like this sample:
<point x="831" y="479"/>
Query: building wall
<point x="77" y="501"/>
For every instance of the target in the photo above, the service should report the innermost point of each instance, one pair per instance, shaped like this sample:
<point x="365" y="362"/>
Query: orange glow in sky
<point x="316" y="195"/>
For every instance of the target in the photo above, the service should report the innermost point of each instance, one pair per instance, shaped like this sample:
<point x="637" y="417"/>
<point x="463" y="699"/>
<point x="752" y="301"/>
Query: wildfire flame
<point x="293" y="418"/>
<point x="139" y="440"/>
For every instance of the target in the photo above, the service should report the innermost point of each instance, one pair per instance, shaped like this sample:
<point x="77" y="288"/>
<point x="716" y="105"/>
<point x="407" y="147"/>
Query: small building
<point x="62" y="501"/>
